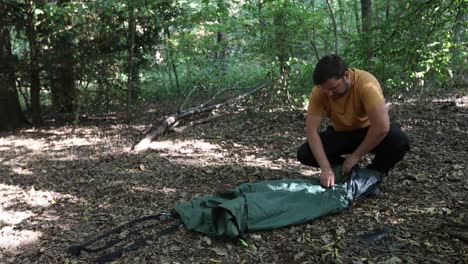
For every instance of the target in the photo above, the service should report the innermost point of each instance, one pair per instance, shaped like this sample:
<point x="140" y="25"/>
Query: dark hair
<point x="330" y="66"/>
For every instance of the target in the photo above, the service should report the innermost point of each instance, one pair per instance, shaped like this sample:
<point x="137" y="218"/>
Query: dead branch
<point x="457" y="234"/>
<point x="212" y="98"/>
<point x="171" y="121"/>
<point x="193" y="123"/>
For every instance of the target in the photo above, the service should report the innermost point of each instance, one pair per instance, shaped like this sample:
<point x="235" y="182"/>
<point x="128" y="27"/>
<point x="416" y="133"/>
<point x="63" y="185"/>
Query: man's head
<point x="331" y="75"/>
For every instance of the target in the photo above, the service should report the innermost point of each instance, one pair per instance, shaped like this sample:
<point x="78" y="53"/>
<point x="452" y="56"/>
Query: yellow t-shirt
<point x="349" y="112"/>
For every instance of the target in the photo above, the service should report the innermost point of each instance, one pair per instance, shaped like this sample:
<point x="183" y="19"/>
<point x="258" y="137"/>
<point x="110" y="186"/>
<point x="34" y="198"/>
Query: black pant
<point x="388" y="153"/>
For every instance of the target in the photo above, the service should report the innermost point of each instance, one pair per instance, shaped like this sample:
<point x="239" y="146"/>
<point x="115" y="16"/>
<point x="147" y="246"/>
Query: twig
<point x="398" y="252"/>
<point x="214" y="97"/>
<point x="186" y="98"/>
<point x="459" y="235"/>
<point x="193" y="123"/>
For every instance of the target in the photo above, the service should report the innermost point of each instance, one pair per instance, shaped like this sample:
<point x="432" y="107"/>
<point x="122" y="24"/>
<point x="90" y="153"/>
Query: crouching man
<point x="354" y="102"/>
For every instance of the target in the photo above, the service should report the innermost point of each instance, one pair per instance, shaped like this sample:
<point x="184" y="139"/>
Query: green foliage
<point x="206" y="77"/>
<point x="182" y="45"/>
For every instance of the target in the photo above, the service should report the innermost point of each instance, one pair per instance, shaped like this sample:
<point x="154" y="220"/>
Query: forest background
<point x="97" y="56"/>
<point x="81" y="82"/>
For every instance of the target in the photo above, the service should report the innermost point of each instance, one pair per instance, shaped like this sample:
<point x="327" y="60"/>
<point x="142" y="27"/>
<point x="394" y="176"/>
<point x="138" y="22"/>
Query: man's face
<point x="336" y="88"/>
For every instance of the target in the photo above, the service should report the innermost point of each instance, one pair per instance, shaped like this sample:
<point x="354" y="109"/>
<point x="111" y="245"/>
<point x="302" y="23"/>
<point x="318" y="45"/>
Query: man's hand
<point x="349" y="163"/>
<point x="327" y="178"/>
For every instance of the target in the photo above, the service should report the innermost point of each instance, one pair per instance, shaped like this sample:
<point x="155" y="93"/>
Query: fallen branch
<point x="171" y="121"/>
<point x="456" y="234"/>
<point x="193" y="123"/>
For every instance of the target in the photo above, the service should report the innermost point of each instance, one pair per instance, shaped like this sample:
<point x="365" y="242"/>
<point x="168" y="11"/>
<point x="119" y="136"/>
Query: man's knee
<point x="304" y="155"/>
<point x="400" y="139"/>
<point x="397" y="141"/>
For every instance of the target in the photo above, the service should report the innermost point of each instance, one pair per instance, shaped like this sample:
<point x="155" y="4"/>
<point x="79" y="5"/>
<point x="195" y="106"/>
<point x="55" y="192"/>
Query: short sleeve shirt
<point x="349" y="112"/>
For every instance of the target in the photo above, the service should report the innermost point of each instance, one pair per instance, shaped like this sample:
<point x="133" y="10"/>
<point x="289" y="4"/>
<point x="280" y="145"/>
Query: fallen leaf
<point x="392" y="260"/>
<point x="220" y="251"/>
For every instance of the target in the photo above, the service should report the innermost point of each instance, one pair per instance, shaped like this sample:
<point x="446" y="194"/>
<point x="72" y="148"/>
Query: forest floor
<point x="64" y="184"/>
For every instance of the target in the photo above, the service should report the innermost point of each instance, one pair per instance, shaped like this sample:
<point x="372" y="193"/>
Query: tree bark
<point x="281" y="38"/>
<point x="221" y="38"/>
<point x="356" y="16"/>
<point x="366" y="14"/>
<point x="11" y="116"/>
<point x="63" y="88"/>
<point x="131" y="47"/>
<point x="33" y="65"/>
<point x="170" y="61"/>
<point x="334" y="26"/>
<point x="313" y="40"/>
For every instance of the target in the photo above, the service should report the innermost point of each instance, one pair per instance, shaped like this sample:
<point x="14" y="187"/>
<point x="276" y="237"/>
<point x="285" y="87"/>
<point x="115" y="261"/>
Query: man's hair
<point x="330" y="66"/>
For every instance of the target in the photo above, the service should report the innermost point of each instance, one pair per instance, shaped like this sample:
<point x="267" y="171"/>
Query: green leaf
<point x="38" y="11"/>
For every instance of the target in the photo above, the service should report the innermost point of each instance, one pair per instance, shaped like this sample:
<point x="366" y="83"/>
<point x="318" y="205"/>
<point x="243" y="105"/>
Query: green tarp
<point x="274" y="204"/>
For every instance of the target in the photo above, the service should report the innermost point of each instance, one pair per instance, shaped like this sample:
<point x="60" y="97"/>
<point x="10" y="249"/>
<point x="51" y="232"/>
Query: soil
<point x="64" y="184"/>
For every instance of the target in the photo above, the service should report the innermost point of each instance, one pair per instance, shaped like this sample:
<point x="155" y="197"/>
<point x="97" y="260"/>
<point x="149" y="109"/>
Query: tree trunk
<point x="33" y="65"/>
<point x="334" y="26"/>
<point x="341" y="18"/>
<point x="170" y="60"/>
<point x="221" y="38"/>
<point x="313" y="40"/>
<point x="281" y="38"/>
<point x="11" y="116"/>
<point x="63" y="80"/>
<point x="131" y="47"/>
<point x="63" y="88"/>
<point x="356" y="16"/>
<point x="366" y="13"/>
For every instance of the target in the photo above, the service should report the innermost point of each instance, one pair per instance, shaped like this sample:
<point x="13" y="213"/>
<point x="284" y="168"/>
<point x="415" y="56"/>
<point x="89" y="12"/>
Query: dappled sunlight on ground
<point x="10" y="195"/>
<point x="12" y="217"/>
<point x="37" y="144"/>
<point x="185" y="146"/>
<point x="195" y="152"/>
<point x="30" y="144"/>
<point x="459" y="101"/>
<point x="15" y="241"/>
<point x="67" y="184"/>
<point x="18" y="207"/>
<point x="164" y="190"/>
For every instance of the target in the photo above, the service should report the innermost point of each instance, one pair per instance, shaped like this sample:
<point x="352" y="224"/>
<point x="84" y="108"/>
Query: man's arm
<point x="379" y="127"/>
<point x="327" y="178"/>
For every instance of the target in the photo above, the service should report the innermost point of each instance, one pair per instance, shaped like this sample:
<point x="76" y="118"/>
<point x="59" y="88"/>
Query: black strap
<point x="76" y="249"/>
<point x="138" y="243"/>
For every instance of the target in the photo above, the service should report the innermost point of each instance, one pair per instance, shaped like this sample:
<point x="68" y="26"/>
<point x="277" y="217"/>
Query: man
<point x="354" y="102"/>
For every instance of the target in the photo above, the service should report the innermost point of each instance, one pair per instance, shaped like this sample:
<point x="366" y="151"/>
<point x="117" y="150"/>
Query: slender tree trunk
<point x="33" y="65"/>
<point x="314" y="33"/>
<point x="357" y="17"/>
<point x="332" y="16"/>
<point x="459" y="34"/>
<point x="221" y="38"/>
<point x="170" y="60"/>
<point x="281" y="38"/>
<point x="11" y="116"/>
<point x="341" y="17"/>
<point x="62" y="72"/>
<point x="131" y="47"/>
<point x="366" y="13"/>
<point x="387" y="10"/>
<point x="63" y="75"/>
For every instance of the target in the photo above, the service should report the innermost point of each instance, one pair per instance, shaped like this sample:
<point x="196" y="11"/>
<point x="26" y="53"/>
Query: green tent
<point x="249" y="207"/>
<point x="273" y="204"/>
